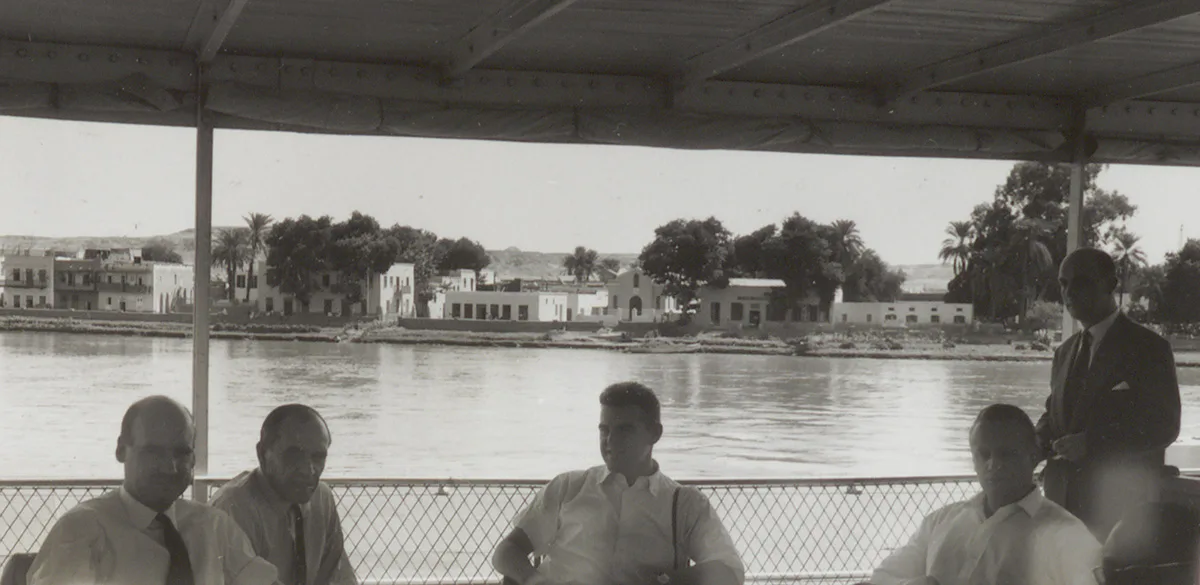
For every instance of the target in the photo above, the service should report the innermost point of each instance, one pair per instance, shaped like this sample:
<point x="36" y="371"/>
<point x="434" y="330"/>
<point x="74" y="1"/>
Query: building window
<point x="62" y="277"/>
<point x="958" y="309"/>
<point x="328" y="306"/>
<point x="481" y="311"/>
<point x="636" y="280"/>
<point x="935" y="319"/>
<point x="16" y="275"/>
<point x="270" y="304"/>
<point x="777" y="310"/>
<point x="455" y="310"/>
<point x="911" y="309"/>
<point x="845" y="317"/>
<point x="28" y="301"/>
<point x="889" y="317"/>
<point x="110" y="301"/>
<point x="910" y="318"/>
<point x="29" y="278"/>
<point x="254" y="281"/>
<point x="324" y="280"/>
<point x="960" y="319"/>
<point x="616" y="304"/>
<point x="494" y="312"/>
<point x="42" y="276"/>
<point x="933" y="309"/>
<point x="70" y="278"/>
<point x="523" y="313"/>
<point x="241" y="281"/>
<point x="891" y="308"/>
<point x="42" y="301"/>
<point x="869" y="317"/>
<point x="110" y="279"/>
<point x="87" y="278"/>
<point x="506" y="313"/>
<point x="737" y="312"/>
<point x="468" y="311"/>
<point x="814" y="314"/>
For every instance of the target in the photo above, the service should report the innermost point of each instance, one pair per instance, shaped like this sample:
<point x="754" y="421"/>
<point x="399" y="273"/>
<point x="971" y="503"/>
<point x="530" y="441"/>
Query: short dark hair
<point x="275" y="419"/>
<point x="1106" y="267"/>
<point x="624" y="394"/>
<point x="135" y="410"/>
<point x="1007" y="413"/>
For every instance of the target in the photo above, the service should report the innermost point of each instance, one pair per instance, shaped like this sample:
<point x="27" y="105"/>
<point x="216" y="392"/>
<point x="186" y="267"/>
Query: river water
<point x="436" y="412"/>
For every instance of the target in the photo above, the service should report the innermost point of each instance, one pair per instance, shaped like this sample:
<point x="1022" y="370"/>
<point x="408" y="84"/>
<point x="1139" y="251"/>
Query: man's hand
<point x="1072" y="447"/>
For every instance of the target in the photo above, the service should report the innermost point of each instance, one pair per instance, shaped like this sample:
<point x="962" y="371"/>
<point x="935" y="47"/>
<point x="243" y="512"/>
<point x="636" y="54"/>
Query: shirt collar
<point x="140" y="514"/>
<point x="654" y="481"/>
<point x="1099" y="330"/>
<point x="268" y="494"/>
<point x="1031" y="503"/>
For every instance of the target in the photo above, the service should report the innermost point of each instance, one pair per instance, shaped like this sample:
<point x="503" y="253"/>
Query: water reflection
<point x="425" y="411"/>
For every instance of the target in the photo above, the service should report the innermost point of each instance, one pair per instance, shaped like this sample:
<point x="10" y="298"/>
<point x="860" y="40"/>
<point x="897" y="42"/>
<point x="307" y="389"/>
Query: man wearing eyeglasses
<point x="1009" y="533"/>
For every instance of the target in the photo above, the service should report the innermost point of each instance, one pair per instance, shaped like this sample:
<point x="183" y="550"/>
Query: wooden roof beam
<point x="1128" y="17"/>
<point x="793" y="27"/>
<point x="206" y="39"/>
<point x="498" y="30"/>
<point x="1147" y="85"/>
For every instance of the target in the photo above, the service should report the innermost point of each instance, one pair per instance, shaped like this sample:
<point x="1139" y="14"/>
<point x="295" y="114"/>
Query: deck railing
<point x="443" y="531"/>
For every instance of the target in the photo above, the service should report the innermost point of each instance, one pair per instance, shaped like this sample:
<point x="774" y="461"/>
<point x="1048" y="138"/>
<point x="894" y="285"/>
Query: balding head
<point x="1088" y="278"/>
<point x="156" y="446"/>
<point x="292" y="448"/>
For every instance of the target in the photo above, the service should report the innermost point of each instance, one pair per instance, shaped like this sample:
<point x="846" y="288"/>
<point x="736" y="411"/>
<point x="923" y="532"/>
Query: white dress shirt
<point x="114" y="539"/>
<point x="596" y="529"/>
<point x="1030" y="542"/>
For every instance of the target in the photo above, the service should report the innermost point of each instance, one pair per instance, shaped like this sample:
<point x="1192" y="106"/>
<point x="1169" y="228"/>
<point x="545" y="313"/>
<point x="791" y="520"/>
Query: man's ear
<point x="262" y="454"/>
<point x="120" y="450"/>
<point x="657" y="429"/>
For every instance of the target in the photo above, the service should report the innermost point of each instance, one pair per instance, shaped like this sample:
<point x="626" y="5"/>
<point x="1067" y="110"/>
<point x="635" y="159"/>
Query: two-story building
<point x="27" y="280"/>
<point x="144" y="287"/>
<point x="75" y="283"/>
<point x="633" y="296"/>
<point x="389" y="293"/>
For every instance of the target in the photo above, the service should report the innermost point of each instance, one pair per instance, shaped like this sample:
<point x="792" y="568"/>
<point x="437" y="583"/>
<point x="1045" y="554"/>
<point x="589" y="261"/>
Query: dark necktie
<point x="1077" y="380"/>
<point x="300" y="566"/>
<point x="179" y="572"/>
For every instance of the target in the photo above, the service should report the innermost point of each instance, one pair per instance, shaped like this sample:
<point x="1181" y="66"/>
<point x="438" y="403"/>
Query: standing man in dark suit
<point x="1114" y="401"/>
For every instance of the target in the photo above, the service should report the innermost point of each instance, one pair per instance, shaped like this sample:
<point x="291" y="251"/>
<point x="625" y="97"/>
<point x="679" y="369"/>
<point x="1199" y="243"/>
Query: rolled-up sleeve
<point x="539" y="521"/>
<point x="709" y="541"/>
<point x="242" y="565"/>
<point x="73" y="553"/>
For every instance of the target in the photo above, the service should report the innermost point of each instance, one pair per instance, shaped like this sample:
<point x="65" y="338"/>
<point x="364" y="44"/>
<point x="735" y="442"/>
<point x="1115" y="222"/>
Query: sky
<point x="86" y="179"/>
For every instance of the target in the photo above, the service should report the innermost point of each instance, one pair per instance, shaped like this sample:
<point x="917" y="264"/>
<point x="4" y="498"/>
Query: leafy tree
<point x="1181" y="289"/>
<point x="230" y="250"/>
<point x="359" y="249"/>
<point x="750" y="252"/>
<point x="687" y="254"/>
<point x="1149" y="283"/>
<point x="957" y="248"/>
<point x="462" y="253"/>
<point x="870" y="279"/>
<point x="257" y="225"/>
<point x="581" y="264"/>
<point x="845" y="242"/>
<point x="1129" y="257"/>
<point x="297" y="250"/>
<point x="161" y="250"/>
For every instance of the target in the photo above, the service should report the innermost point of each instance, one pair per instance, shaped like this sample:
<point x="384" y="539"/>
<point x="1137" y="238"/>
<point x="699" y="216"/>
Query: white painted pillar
<point x="1075" y="207"/>
<point x="203" y="268"/>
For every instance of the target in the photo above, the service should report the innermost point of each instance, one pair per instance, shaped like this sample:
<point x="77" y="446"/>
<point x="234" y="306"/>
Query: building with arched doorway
<point x="633" y="296"/>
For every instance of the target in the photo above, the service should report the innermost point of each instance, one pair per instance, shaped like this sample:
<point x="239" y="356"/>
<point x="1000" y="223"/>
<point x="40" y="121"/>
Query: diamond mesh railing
<point x="443" y="531"/>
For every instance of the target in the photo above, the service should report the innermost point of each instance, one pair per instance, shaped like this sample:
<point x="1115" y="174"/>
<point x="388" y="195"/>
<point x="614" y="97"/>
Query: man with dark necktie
<point x="142" y="533"/>
<point x="1114" y="401"/>
<point x="290" y="516"/>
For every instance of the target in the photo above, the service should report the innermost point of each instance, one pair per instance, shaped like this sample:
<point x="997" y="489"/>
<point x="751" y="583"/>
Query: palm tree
<point x="1129" y="256"/>
<point x="847" y="242"/>
<point x="582" y="263"/>
<point x="231" y="250"/>
<point x="257" y="223"/>
<point x="1029" y="244"/>
<point x="957" y="248"/>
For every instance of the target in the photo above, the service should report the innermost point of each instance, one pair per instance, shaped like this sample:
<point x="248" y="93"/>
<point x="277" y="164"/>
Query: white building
<point x="27" y="280"/>
<point x="506" y="306"/>
<point x="633" y="296"/>
<point x="910" y="309"/>
<point x="395" y="291"/>
<point x="385" y="294"/>
<point x="750" y="303"/>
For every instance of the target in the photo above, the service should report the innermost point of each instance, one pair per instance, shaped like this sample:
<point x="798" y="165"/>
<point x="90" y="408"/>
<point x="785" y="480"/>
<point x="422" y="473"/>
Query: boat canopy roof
<point x="1047" y="80"/>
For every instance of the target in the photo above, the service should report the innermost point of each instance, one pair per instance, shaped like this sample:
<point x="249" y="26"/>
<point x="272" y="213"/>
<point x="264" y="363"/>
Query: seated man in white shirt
<point x="1008" y="534"/>
<point x="289" y="514"/>
<point x="142" y="533"/>
<point x="621" y="523"/>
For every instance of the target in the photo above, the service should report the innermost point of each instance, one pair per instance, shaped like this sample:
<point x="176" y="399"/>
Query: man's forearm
<point x="509" y="561"/>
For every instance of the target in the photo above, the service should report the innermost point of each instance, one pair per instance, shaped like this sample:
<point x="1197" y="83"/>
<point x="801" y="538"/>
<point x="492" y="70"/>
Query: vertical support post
<point x="203" y="271"/>
<point x="1075" y="200"/>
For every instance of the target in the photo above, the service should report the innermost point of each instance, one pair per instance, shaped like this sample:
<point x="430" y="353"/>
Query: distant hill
<point x="508" y="263"/>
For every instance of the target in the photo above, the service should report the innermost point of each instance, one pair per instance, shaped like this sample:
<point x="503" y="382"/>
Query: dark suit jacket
<point x="1128" y="430"/>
